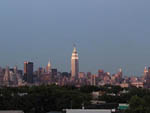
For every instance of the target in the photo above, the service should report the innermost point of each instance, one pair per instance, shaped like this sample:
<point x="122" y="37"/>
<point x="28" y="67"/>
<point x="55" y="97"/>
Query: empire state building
<point x="74" y="64"/>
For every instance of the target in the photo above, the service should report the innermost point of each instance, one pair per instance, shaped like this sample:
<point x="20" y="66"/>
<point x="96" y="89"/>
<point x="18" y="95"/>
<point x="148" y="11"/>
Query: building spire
<point x="49" y="67"/>
<point x="74" y="50"/>
<point x="145" y="70"/>
<point x="49" y="63"/>
<point x="120" y="70"/>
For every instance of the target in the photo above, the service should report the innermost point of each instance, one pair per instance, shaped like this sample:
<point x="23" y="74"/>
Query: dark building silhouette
<point x="28" y="72"/>
<point x="65" y="74"/>
<point x="54" y="72"/>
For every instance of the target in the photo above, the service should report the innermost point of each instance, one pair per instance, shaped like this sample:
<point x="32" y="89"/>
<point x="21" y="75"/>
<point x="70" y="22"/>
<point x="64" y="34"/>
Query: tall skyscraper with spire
<point x="74" y="64"/>
<point x="49" y="67"/>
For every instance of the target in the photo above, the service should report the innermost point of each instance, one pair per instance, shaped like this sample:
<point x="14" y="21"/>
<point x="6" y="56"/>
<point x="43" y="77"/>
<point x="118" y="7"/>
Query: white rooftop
<point x="87" y="111"/>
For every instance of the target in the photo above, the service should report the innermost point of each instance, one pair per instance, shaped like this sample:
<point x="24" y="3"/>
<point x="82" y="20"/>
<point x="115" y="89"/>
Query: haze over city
<point x="108" y="34"/>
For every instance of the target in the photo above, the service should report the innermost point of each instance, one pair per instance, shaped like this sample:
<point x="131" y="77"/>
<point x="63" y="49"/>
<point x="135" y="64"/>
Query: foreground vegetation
<point x="42" y="99"/>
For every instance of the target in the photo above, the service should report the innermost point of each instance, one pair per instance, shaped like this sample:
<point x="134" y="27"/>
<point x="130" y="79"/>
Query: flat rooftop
<point x="87" y="111"/>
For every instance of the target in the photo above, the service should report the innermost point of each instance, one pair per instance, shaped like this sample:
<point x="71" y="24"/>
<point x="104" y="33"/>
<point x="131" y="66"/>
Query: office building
<point x="74" y="64"/>
<point x="28" y="71"/>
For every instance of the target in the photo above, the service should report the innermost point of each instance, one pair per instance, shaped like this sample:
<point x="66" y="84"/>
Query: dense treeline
<point x="42" y="99"/>
<point x="139" y="101"/>
<point x="139" y="104"/>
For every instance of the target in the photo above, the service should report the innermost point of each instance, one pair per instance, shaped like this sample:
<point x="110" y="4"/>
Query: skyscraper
<point x="145" y="72"/>
<point x="48" y="68"/>
<point x="28" y="71"/>
<point x="6" y="79"/>
<point x="74" y="64"/>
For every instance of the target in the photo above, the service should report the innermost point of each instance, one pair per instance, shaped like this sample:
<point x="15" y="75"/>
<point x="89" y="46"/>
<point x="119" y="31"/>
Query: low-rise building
<point x="87" y="111"/>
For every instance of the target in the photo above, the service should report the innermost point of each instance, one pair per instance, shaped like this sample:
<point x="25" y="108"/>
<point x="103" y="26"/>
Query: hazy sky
<point x="109" y="34"/>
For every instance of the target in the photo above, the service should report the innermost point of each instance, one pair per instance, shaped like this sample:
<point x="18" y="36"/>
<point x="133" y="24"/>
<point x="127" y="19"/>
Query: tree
<point x="136" y="105"/>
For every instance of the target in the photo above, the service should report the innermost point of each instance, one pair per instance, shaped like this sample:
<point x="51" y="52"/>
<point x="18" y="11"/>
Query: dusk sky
<point x="109" y="34"/>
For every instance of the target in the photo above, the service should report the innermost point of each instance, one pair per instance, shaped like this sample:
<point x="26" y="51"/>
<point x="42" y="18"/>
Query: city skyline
<point x="65" y="56"/>
<point x="109" y="34"/>
<point x="74" y="66"/>
<point x="49" y="75"/>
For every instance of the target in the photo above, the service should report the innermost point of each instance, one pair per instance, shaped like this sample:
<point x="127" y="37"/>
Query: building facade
<point x="28" y="72"/>
<point x="74" y="64"/>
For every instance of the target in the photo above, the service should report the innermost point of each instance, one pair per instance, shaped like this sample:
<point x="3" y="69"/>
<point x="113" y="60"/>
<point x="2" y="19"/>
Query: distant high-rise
<point x="15" y="69"/>
<point x="120" y="73"/>
<point x="6" y="79"/>
<point x="54" y="72"/>
<point x="74" y="64"/>
<point x="93" y="80"/>
<point x="49" y="67"/>
<point x="101" y="73"/>
<point x="145" y="72"/>
<point x="28" y="71"/>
